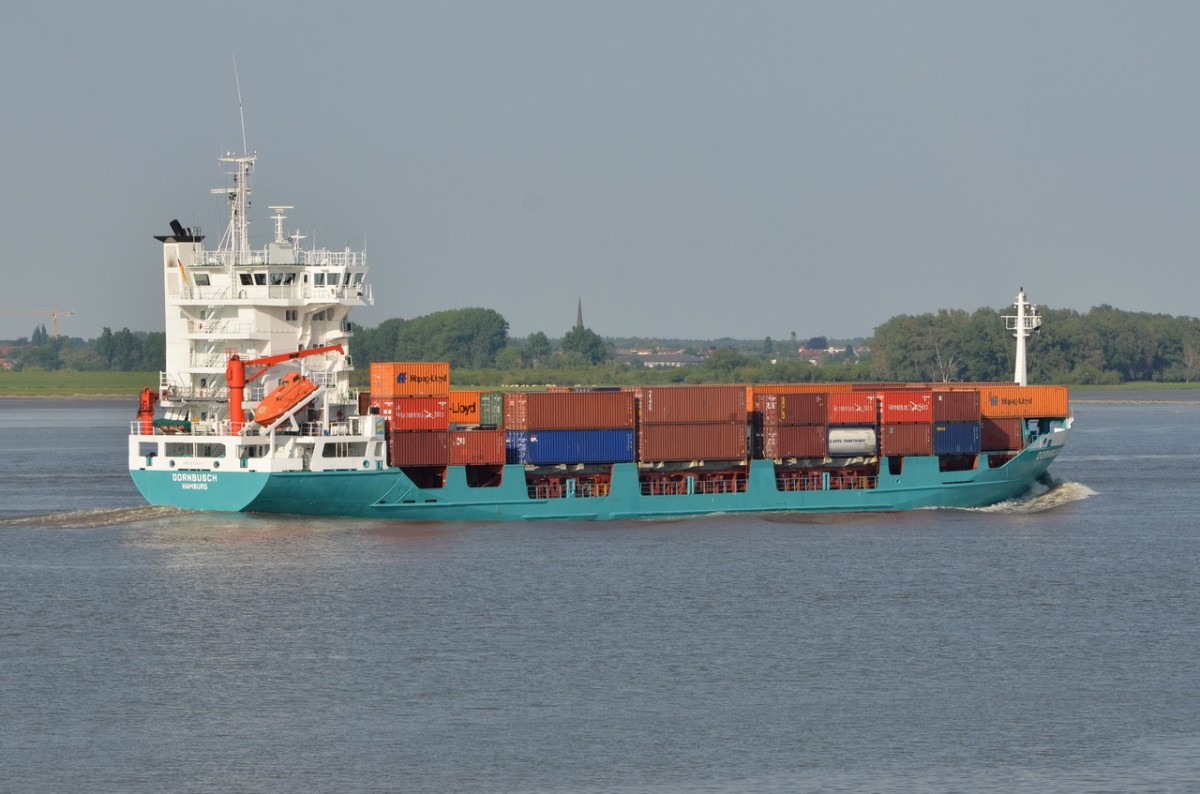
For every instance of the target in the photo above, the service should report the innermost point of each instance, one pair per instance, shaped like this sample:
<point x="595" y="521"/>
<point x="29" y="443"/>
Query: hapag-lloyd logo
<point x="405" y="377"/>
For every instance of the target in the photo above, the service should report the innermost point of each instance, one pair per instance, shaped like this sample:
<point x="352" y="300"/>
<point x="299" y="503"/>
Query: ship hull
<point x="389" y="494"/>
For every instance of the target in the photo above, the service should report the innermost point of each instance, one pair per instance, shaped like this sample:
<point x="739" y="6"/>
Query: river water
<point x="1051" y="644"/>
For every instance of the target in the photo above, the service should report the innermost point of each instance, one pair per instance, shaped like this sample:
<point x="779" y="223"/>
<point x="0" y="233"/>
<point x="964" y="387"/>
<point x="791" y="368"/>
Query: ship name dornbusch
<point x="194" y="481"/>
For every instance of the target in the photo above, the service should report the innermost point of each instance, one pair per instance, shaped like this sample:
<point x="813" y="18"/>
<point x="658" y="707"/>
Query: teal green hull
<point x="389" y="494"/>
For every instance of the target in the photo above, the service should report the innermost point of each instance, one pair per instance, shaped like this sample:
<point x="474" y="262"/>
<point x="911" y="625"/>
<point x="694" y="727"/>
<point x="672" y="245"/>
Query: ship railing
<point x="685" y="486"/>
<point x="576" y="490"/>
<point x="851" y="482"/>
<point x="805" y="482"/>
<point x="260" y="257"/>
<point x="226" y="327"/>
<point x="196" y="292"/>
<point x="337" y="292"/>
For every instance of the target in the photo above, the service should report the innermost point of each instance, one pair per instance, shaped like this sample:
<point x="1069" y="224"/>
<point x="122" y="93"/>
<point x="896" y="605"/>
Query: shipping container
<point x="1006" y="402"/>
<point x="853" y="408"/>
<point x="956" y="405"/>
<point x="791" y="409"/>
<point x="693" y="441"/>
<point x="793" y="388"/>
<point x="845" y="442"/>
<point x="409" y="378"/>
<point x="906" y="439"/>
<point x="477" y="447"/>
<point x="491" y="409"/>
<point x="691" y="404"/>
<point x="1001" y="435"/>
<point x="431" y="448"/>
<point x="793" y="441"/>
<point x="552" y="447"/>
<point x="464" y="407"/>
<point x="956" y="438"/>
<point x="905" y="406"/>
<point x="405" y="414"/>
<point x="571" y="410"/>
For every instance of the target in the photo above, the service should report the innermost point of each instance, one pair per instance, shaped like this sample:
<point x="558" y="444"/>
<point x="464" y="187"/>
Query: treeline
<point x="121" y="351"/>
<point x="1101" y="346"/>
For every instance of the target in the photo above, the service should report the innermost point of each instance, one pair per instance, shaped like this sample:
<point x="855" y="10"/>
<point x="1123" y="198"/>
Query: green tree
<point x="538" y="349"/>
<point x="587" y="344"/>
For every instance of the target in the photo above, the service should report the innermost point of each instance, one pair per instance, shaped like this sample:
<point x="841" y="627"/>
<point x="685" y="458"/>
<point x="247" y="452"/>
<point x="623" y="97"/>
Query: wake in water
<point x="88" y="519"/>
<point x="1041" y="497"/>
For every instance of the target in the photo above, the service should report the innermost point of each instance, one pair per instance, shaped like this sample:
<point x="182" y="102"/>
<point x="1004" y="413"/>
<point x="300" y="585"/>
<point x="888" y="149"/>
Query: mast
<point x="1025" y="322"/>
<point x="237" y="236"/>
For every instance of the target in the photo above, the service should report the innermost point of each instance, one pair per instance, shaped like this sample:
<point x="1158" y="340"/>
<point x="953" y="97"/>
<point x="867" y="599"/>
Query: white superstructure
<point x="254" y="302"/>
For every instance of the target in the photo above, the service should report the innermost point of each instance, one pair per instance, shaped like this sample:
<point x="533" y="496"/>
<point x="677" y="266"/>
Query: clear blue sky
<point x="690" y="169"/>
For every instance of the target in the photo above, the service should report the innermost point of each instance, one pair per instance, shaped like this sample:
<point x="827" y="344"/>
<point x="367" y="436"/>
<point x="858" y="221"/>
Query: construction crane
<point x="54" y="313"/>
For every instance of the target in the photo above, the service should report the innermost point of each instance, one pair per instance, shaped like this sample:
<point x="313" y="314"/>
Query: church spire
<point x="579" y="315"/>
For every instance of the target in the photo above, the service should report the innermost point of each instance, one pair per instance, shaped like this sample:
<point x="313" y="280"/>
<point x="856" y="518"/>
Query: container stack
<point x="692" y="423"/>
<point x="905" y="422"/>
<point x="957" y="426"/>
<point x="791" y="425"/>
<point x="569" y="427"/>
<point x="476" y="432"/>
<point x="414" y="398"/>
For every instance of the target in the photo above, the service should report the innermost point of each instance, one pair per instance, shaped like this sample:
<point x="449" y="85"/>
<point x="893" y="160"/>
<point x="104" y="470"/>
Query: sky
<point x="689" y="169"/>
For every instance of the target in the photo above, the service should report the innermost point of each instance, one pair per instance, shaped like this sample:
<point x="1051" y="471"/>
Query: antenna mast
<point x="1022" y="325"/>
<point x="237" y="236"/>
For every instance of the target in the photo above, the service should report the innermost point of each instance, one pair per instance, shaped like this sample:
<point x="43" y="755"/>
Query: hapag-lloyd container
<point x="1001" y="435"/>
<point x="693" y="441"/>
<point x="419" y="448"/>
<point x="464" y="407"/>
<point x="551" y="447"/>
<point x="569" y="410"/>
<point x="956" y="438"/>
<point x="904" y="406"/>
<point x="1023" y="401"/>
<point x="906" y="439"/>
<point x="476" y="447"/>
<point x="409" y="378"/>
<point x="792" y="409"/>
<point x="853" y="408"/>
<point x="956" y="405"/>
<point x="793" y="441"/>
<point x="691" y="404"/>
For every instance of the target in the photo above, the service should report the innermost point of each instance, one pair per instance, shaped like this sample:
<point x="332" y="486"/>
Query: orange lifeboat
<point x="293" y="390"/>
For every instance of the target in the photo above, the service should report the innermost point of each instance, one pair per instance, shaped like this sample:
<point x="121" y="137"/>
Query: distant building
<point x="657" y="359"/>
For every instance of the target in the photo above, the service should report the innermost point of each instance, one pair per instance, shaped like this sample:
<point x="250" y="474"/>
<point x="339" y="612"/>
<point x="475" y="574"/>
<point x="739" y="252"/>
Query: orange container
<point x="410" y="378"/>
<point x="1024" y="402"/>
<point x="464" y="407"/>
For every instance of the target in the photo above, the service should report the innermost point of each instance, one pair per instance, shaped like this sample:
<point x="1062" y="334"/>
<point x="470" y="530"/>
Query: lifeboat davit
<point x="292" y="391"/>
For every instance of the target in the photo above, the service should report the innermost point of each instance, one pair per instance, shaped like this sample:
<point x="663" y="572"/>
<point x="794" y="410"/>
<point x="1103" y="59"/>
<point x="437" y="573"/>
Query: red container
<point x="791" y="409"/>
<point x="956" y="406"/>
<point x="476" y="447"/>
<point x="695" y="441"/>
<point x="906" y="439"/>
<point x="690" y="404"/>
<point x="1001" y="435"/>
<point x="853" y="408"/>
<point x="430" y="448"/>
<point x="570" y="410"/>
<point x="793" y="441"/>
<point x="905" y="406"/>
<point x="406" y="414"/>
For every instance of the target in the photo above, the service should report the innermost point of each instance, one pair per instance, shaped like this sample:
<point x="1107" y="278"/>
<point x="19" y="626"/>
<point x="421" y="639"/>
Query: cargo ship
<point x="255" y="412"/>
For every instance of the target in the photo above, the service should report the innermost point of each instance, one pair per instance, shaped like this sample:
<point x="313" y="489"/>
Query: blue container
<point x="550" y="447"/>
<point x="956" y="438"/>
